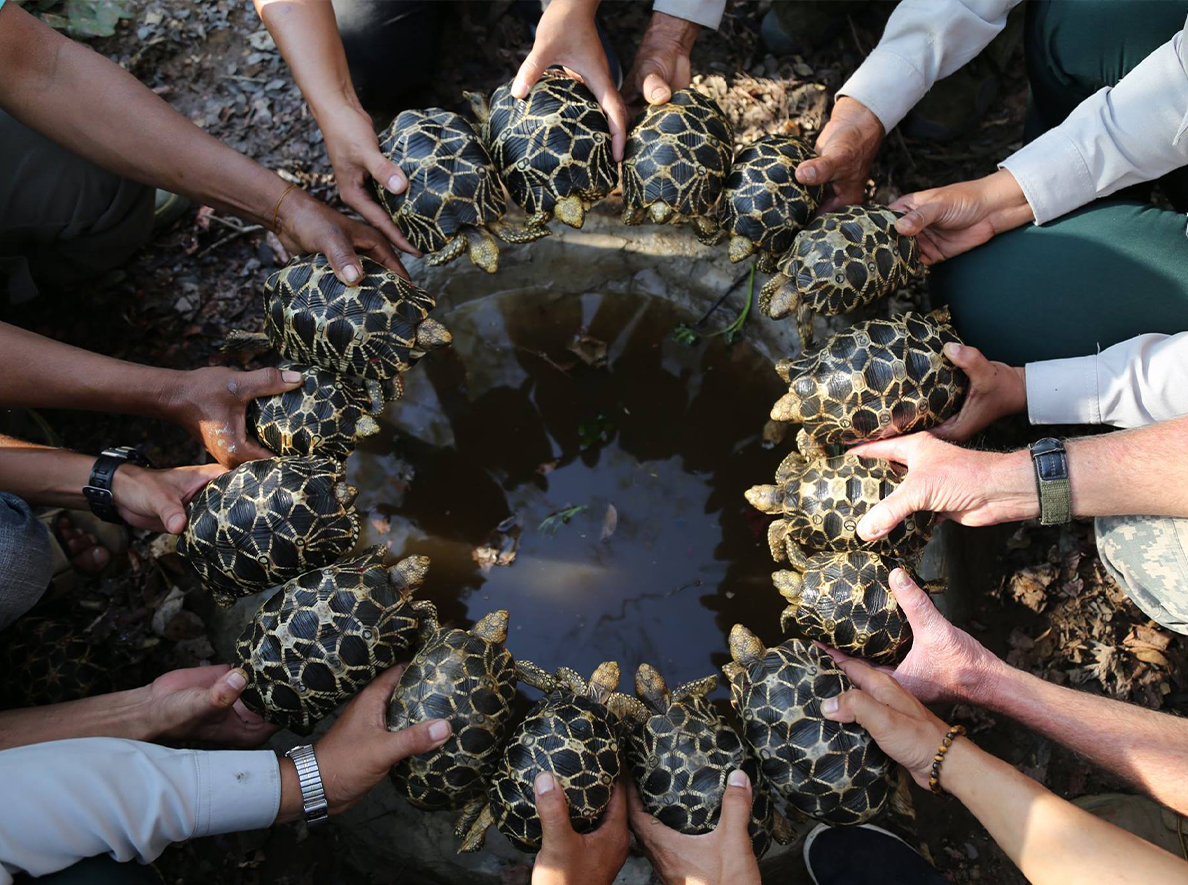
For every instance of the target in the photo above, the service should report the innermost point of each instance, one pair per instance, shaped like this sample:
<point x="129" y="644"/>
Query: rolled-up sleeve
<point x="924" y="41"/>
<point x="68" y="800"/>
<point x="1119" y="136"/>
<point x="1134" y="383"/>
<point x="707" y="13"/>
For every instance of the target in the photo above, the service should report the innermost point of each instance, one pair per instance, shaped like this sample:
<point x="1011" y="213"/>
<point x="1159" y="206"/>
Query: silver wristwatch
<point x="313" y="797"/>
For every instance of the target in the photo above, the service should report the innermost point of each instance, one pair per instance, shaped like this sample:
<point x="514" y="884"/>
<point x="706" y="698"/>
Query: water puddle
<point x="612" y="481"/>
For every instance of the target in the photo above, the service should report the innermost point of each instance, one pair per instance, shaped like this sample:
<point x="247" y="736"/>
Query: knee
<point x="1146" y="556"/>
<point x="26" y="559"/>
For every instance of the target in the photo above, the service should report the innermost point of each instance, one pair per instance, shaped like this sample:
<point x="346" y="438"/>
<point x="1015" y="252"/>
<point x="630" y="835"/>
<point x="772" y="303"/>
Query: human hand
<point x="202" y="704"/>
<point x="211" y="404"/>
<point x="723" y="857"/>
<point x="902" y="726"/>
<point x="569" y="858"/>
<point x="995" y="390"/>
<point x="967" y="486"/>
<point x="845" y="148"/>
<point x="156" y="499"/>
<point x="954" y="219"/>
<point x="306" y="224"/>
<point x="358" y="751"/>
<point x="662" y="60"/>
<point x="566" y="35"/>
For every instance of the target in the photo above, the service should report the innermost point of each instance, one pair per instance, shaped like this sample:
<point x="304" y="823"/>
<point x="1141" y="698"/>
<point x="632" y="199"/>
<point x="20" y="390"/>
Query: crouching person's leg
<point x="26" y="558"/>
<point x="1148" y="557"/>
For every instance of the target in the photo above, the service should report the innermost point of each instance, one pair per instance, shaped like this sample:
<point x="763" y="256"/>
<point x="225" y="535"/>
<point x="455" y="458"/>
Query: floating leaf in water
<point x="590" y="350"/>
<point x="685" y="336"/>
<point x="600" y="429"/>
<point x="610" y="522"/>
<point x="554" y="521"/>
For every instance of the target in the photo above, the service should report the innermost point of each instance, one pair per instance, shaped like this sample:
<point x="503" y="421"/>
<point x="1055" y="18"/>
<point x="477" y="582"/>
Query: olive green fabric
<point x="1109" y="271"/>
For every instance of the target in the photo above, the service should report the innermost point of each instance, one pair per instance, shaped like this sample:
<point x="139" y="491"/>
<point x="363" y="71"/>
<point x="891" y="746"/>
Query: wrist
<point x="1018" y="400"/>
<point x="679" y="30"/>
<point x="1008" y="204"/>
<point x="291" y="806"/>
<point x="857" y="114"/>
<point x="1014" y="496"/>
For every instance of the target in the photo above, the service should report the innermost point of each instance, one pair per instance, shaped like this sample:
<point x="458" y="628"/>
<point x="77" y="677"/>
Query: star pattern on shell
<point x="48" y="660"/>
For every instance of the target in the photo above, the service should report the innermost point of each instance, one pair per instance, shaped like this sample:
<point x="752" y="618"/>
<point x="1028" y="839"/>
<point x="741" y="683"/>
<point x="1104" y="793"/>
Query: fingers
<point x="552" y="808"/>
<point x="530" y="71"/>
<point x="880" y="685"/>
<point x="340" y="252"/>
<point x="897" y="448"/>
<point x="817" y="170"/>
<point x="387" y="174"/>
<point x="915" y="602"/>
<point x="655" y="88"/>
<point x="171" y="515"/>
<point x="224" y="693"/>
<point x="891" y="511"/>
<point x="856" y="705"/>
<point x="916" y="220"/>
<point x="736" y="806"/>
<point x="265" y="382"/>
<point x="416" y="739"/>
<point x="372" y="244"/>
<point x="616" y="811"/>
<point x="375" y="215"/>
<point x="616" y="111"/>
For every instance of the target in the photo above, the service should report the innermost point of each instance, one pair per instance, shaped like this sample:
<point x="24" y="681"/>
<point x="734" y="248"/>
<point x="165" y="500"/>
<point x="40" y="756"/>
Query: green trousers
<point x="1109" y="271"/>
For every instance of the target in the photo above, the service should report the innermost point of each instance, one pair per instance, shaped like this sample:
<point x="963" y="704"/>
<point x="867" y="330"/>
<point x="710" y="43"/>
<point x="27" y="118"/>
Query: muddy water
<point x="617" y="486"/>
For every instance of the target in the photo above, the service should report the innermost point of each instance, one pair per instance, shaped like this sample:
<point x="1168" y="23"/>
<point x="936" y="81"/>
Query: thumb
<point x="172" y="515"/>
<point x="856" y="705"/>
<point x="965" y="357"/>
<point x="911" y="223"/>
<point x="266" y="382"/>
<point x="817" y="170"/>
<point x="552" y="808"/>
<point x="386" y="173"/>
<point x="530" y="71"/>
<point x="655" y="88"/>
<point x="736" y="806"/>
<point x="339" y="251"/>
<point x="914" y="601"/>
<point x="891" y="511"/>
<point x="227" y="690"/>
<point x="420" y="738"/>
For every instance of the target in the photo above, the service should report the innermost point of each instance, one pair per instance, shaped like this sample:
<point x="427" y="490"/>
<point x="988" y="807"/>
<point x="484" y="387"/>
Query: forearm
<point x="56" y="477"/>
<point x="121" y="714"/>
<point x="1051" y="841"/>
<point x="306" y="33"/>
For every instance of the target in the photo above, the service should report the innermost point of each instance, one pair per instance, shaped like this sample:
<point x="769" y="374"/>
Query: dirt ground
<point x="1051" y="609"/>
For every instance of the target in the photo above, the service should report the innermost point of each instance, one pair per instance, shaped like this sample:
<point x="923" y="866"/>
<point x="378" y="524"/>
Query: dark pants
<point x="1107" y="272"/>
<point x="62" y="219"/>
<point x="100" y="870"/>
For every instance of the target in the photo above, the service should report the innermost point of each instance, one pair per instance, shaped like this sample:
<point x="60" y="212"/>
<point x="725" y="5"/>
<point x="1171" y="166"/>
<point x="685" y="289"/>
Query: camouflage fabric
<point x="1148" y="557"/>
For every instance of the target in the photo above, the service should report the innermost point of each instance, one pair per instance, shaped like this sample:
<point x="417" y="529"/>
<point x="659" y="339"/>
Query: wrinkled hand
<point x="944" y="664"/>
<point x="662" y="63"/>
<point x="202" y="704"/>
<point x="902" y="727"/>
<point x="723" y="857"/>
<point x="566" y="35"/>
<point x="995" y="390"/>
<point x="157" y="499"/>
<point x="307" y="225"/>
<point x="846" y="149"/>
<point x="967" y="486"/>
<point x="569" y="858"/>
<point x="958" y="217"/>
<point x="210" y="403"/>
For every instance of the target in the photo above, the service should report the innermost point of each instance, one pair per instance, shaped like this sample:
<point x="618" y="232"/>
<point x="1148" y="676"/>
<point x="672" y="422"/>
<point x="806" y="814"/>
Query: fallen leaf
<point x="610" y="522"/>
<point x="590" y="350"/>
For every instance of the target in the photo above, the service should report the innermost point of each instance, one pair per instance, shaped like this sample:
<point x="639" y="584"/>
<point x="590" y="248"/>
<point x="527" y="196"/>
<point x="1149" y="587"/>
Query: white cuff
<point x="888" y="84"/>
<point x="707" y="13"/>
<point x="1063" y="391"/>
<point x="1053" y="175"/>
<point x="237" y="790"/>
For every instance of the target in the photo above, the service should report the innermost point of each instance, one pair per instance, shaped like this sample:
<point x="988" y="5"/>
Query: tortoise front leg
<point x="536" y="676"/>
<point x="452" y="250"/>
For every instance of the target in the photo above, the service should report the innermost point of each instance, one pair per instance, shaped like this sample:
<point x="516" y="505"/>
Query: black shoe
<point x="864" y="855"/>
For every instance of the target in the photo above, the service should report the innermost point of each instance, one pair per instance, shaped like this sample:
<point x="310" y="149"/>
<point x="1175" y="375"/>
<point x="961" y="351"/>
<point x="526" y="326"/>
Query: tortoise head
<point x="571" y="210"/>
<point x="942" y="315"/>
<point x="345" y="493"/>
<point x="766" y="498"/>
<point x="790" y="584"/>
<point x="660" y="213"/>
<point x="366" y="426"/>
<point x="802" y="386"/>
<point x="492" y="627"/>
<point x="650" y="686"/>
<point x="431" y="335"/>
<point x="740" y="248"/>
<point x="480" y="106"/>
<point x="409" y="574"/>
<point x="604" y="680"/>
<point x="745" y="646"/>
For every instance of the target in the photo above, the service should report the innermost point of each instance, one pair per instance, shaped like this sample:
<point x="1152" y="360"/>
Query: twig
<point x="544" y="356"/>
<point x="232" y="236"/>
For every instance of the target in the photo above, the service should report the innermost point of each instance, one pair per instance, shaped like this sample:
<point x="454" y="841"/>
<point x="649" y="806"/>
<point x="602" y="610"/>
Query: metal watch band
<point x="313" y="796"/>
<point x="1052" y="482"/>
<point x="97" y="491"/>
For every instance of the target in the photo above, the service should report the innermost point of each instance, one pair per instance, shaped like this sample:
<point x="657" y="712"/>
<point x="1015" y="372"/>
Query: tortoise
<point x="552" y="149"/>
<point x="48" y="659"/>
<point x="373" y="330"/>
<point x="875" y="379"/>
<point x="844" y="600"/>
<point x="327" y="415"/>
<point x="681" y="751"/>
<point x="454" y="200"/>
<point x="574" y="732"/>
<point x="268" y="521"/>
<point x="326" y="634"/>
<point x="820" y="499"/>
<point x="763" y="205"/>
<point x="840" y="262"/>
<point x="831" y="771"/>
<point x="676" y="162"/>
<point x="469" y="678"/>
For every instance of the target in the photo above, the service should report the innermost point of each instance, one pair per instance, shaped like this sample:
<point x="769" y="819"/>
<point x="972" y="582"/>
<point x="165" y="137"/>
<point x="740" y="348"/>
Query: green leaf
<point x="94" y="18"/>
<point x="554" y="521"/>
<point x="600" y="429"/>
<point x="685" y="336"/>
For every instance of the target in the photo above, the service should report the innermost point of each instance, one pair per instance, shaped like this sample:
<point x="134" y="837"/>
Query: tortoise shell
<point x="763" y="205"/>
<point x="327" y="415"/>
<point x="552" y="149"/>
<point x="878" y="378"/>
<point x="840" y="262"/>
<point x="49" y="660"/>
<point x="469" y="678"/>
<point x="676" y="162"/>
<point x="268" y="521"/>
<point x="820" y="499"/>
<point x="844" y="600"/>
<point x="325" y="635"/>
<point x="831" y="771"/>
<point x="681" y="752"/>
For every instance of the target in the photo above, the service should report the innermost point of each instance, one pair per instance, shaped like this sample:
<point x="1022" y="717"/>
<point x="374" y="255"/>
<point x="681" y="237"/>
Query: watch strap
<point x="97" y="491"/>
<point x="309" y="777"/>
<point x="1052" y="481"/>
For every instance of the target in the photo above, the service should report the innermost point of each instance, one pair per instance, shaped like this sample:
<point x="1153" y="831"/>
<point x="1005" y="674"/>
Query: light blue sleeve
<point x="67" y="800"/>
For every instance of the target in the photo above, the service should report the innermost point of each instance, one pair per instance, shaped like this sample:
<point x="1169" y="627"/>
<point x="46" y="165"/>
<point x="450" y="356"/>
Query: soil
<point x="1052" y="610"/>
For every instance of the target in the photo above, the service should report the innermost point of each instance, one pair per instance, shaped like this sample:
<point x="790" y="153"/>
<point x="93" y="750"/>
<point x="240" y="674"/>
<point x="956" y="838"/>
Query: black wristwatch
<point x="1051" y="480"/>
<point x="97" y="491"/>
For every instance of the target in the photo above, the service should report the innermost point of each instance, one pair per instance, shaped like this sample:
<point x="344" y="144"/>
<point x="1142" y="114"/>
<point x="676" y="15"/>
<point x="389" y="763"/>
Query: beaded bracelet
<point x="934" y="779"/>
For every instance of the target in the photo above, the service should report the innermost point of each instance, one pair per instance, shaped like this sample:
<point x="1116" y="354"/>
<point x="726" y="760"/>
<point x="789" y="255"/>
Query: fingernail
<point x="809" y="174"/>
<point x="395" y="183"/>
<point x="657" y="93"/>
<point x="351" y="273"/>
<point x="899" y="578"/>
<point x="952" y="351"/>
<point x="439" y="730"/>
<point x="290" y="377"/>
<point x="868" y="529"/>
<point x="176" y="523"/>
<point x="829" y="705"/>
<point x="544" y="783"/>
<point x="738" y="778"/>
<point x="236" y="680"/>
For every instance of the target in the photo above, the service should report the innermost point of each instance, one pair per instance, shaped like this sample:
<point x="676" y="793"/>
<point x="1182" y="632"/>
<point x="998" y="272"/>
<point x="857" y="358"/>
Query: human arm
<point x="662" y="62"/>
<point x="569" y="858"/>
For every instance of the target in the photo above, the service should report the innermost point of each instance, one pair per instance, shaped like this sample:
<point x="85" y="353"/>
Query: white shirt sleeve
<point x="924" y="41"/>
<point x="1131" y="133"/>
<point x="707" y="13"/>
<point x="1137" y="382"/>
<point x="67" y="800"/>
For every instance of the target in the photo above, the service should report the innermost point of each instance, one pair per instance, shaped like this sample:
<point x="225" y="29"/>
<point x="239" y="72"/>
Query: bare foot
<point x="85" y="552"/>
